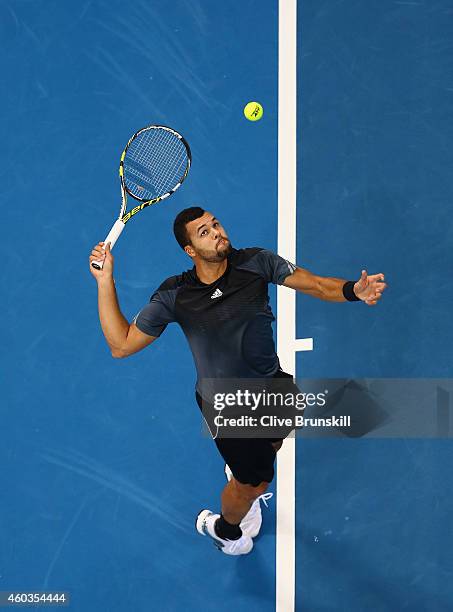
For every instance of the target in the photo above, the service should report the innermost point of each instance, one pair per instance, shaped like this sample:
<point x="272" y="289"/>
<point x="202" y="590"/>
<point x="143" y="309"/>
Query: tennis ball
<point x="253" y="111"/>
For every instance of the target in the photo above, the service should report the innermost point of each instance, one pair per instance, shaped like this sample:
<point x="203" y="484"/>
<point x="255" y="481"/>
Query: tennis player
<point x="222" y="305"/>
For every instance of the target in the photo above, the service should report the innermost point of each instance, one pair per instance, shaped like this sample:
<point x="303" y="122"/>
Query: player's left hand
<point x="369" y="288"/>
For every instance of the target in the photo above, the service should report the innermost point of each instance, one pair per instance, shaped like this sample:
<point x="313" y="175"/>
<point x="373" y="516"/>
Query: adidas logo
<point x="217" y="293"/>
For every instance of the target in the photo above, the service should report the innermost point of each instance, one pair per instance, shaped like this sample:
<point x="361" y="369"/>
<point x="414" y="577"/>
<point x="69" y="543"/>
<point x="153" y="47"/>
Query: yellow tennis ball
<point x="253" y="111"/>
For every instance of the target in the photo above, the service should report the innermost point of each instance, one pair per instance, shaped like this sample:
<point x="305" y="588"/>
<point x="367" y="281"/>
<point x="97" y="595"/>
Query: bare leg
<point x="237" y="499"/>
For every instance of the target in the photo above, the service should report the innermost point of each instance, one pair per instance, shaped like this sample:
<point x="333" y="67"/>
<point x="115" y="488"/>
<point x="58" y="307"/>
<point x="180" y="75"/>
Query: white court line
<point x="303" y="344"/>
<point x="287" y="344"/>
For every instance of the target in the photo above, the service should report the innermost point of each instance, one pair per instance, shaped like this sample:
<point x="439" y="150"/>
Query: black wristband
<point x="348" y="292"/>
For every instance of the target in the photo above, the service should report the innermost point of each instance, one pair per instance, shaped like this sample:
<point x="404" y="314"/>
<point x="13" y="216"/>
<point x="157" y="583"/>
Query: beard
<point x="221" y="251"/>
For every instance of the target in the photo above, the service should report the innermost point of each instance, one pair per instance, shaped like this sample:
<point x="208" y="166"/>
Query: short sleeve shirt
<point x="228" y="323"/>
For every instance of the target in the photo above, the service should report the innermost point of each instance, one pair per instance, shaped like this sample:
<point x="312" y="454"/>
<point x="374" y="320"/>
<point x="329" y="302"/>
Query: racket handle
<point x="112" y="237"/>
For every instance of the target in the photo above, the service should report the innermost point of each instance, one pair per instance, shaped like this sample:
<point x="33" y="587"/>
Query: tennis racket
<point x="154" y="164"/>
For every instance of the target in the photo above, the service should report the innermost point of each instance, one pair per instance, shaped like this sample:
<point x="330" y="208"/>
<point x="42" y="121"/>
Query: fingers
<point x="371" y="278"/>
<point x="98" y="250"/>
<point x="376" y="277"/>
<point x="374" y="296"/>
<point x="97" y="259"/>
<point x="371" y="287"/>
<point x="98" y="253"/>
<point x="373" y="299"/>
<point x="101" y="252"/>
<point x="363" y="280"/>
<point x="376" y="282"/>
<point x="378" y="286"/>
<point x="362" y="283"/>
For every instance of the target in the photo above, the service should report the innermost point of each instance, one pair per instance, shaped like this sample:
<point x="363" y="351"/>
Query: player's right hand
<point x="99" y="254"/>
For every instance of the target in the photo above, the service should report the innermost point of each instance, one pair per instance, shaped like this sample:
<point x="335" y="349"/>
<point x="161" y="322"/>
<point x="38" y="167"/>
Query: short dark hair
<point x="182" y="219"/>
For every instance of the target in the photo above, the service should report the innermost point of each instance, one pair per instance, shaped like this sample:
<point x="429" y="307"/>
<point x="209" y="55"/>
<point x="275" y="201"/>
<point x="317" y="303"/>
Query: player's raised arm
<point x="123" y="339"/>
<point x="368" y="289"/>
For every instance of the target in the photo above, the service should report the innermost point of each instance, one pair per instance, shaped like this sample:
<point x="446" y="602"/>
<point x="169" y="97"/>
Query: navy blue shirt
<point x="228" y="323"/>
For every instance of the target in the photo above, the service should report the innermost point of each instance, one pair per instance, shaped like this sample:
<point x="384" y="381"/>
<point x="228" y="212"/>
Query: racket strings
<point x="161" y="153"/>
<point x="165" y="175"/>
<point x="155" y="163"/>
<point x="162" y="177"/>
<point x="169" y="155"/>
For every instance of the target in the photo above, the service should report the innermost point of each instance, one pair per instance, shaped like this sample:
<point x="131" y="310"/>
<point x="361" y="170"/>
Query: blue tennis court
<point x="374" y="521"/>
<point x="104" y="463"/>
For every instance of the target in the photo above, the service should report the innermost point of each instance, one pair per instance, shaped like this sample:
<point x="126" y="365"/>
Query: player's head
<point x="200" y="234"/>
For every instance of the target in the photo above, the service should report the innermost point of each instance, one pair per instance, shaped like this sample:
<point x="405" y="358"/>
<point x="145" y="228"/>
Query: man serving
<point x="222" y="306"/>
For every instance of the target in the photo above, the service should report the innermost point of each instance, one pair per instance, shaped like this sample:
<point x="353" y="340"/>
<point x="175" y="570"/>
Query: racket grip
<point x="112" y="237"/>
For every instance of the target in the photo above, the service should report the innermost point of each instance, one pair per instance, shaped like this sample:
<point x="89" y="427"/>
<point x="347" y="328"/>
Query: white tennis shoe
<point x="252" y="521"/>
<point x="205" y="525"/>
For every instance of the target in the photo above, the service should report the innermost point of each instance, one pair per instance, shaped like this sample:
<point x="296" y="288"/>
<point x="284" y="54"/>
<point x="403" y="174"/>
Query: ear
<point x="189" y="250"/>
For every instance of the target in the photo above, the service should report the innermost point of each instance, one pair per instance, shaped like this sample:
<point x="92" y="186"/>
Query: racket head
<point x="154" y="164"/>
